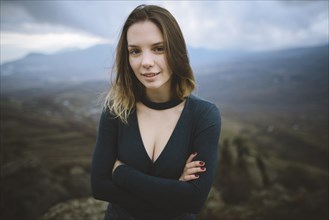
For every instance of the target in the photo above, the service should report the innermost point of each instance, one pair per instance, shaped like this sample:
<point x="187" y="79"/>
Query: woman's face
<point x="147" y="56"/>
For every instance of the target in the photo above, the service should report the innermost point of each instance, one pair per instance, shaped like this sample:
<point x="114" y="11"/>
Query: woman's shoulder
<point x="201" y="105"/>
<point x="202" y="109"/>
<point x="107" y="113"/>
<point x="108" y="116"/>
<point x="204" y="113"/>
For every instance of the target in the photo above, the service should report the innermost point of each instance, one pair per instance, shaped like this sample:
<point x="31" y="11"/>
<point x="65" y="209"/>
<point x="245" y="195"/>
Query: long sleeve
<point x="104" y="157"/>
<point x="174" y="194"/>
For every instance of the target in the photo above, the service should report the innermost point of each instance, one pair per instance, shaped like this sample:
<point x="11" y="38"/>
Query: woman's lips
<point x="150" y="74"/>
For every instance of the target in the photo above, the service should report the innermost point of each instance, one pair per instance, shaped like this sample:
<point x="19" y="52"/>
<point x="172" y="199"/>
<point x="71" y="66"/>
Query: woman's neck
<point x="158" y="96"/>
<point x="162" y="94"/>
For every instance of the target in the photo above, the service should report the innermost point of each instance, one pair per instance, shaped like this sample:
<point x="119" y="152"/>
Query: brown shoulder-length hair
<point x="126" y="90"/>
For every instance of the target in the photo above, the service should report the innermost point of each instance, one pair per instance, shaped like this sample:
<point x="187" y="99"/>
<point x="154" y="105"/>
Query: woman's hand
<point x="192" y="168"/>
<point x="116" y="164"/>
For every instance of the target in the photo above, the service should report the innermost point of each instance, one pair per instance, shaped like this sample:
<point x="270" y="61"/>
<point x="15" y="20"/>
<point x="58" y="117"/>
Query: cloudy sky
<point x="50" y="26"/>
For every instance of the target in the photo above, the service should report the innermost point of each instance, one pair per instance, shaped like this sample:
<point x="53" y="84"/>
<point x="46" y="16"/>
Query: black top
<point x="151" y="190"/>
<point x="161" y="105"/>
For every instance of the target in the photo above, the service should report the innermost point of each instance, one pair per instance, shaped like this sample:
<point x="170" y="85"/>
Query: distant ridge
<point x="288" y="79"/>
<point x="75" y="65"/>
<point x="95" y="63"/>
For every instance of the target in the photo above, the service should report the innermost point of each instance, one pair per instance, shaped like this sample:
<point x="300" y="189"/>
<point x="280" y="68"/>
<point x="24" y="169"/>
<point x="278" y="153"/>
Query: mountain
<point x="293" y="77"/>
<point x="69" y="66"/>
<point x="280" y="78"/>
<point x="200" y="57"/>
<point x="80" y="65"/>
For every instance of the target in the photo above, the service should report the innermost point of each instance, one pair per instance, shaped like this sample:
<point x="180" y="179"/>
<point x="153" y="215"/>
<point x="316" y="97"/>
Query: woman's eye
<point x="159" y="49"/>
<point x="134" y="51"/>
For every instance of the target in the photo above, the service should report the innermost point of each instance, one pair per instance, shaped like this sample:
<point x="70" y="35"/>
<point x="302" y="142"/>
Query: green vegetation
<point x="46" y="152"/>
<point x="39" y="155"/>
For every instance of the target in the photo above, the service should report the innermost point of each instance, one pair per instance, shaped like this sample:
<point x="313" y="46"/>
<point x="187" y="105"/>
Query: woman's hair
<point x="126" y="90"/>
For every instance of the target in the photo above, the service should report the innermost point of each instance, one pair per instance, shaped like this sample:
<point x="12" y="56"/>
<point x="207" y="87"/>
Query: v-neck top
<point x="177" y="124"/>
<point x="151" y="190"/>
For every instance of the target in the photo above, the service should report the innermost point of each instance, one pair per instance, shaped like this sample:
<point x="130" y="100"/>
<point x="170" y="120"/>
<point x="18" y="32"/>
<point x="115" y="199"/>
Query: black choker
<point x="161" y="105"/>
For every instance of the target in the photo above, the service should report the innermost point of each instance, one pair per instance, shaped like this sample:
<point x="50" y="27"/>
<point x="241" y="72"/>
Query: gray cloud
<point x="258" y="25"/>
<point x="214" y="24"/>
<point x="100" y="17"/>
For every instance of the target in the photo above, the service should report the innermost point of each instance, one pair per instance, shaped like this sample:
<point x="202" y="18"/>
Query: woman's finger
<point x="190" y="158"/>
<point x="192" y="168"/>
<point x="116" y="164"/>
<point x="195" y="170"/>
<point x="190" y="177"/>
<point x="195" y="164"/>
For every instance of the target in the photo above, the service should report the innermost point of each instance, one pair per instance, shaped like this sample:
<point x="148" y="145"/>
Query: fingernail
<point x="194" y="153"/>
<point x="201" y="163"/>
<point x="196" y="175"/>
<point x="203" y="168"/>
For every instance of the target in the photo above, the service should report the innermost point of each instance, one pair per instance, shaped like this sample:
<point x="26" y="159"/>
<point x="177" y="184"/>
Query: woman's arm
<point x="174" y="194"/>
<point x="192" y="169"/>
<point x="104" y="156"/>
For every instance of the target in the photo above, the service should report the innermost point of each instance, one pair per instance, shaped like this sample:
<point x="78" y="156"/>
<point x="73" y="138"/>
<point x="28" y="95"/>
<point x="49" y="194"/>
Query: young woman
<point x="157" y="144"/>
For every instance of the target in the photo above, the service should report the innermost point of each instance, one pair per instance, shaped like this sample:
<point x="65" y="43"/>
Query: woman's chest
<point x="146" y="150"/>
<point x="155" y="131"/>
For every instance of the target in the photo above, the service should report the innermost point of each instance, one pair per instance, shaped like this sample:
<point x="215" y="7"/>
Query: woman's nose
<point x="147" y="60"/>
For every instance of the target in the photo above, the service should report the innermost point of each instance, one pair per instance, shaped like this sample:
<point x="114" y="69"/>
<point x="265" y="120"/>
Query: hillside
<point x="283" y="92"/>
<point x="273" y="147"/>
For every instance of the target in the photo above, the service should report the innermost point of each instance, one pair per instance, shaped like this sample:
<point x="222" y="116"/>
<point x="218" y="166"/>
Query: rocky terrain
<point x="83" y="208"/>
<point x="248" y="187"/>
